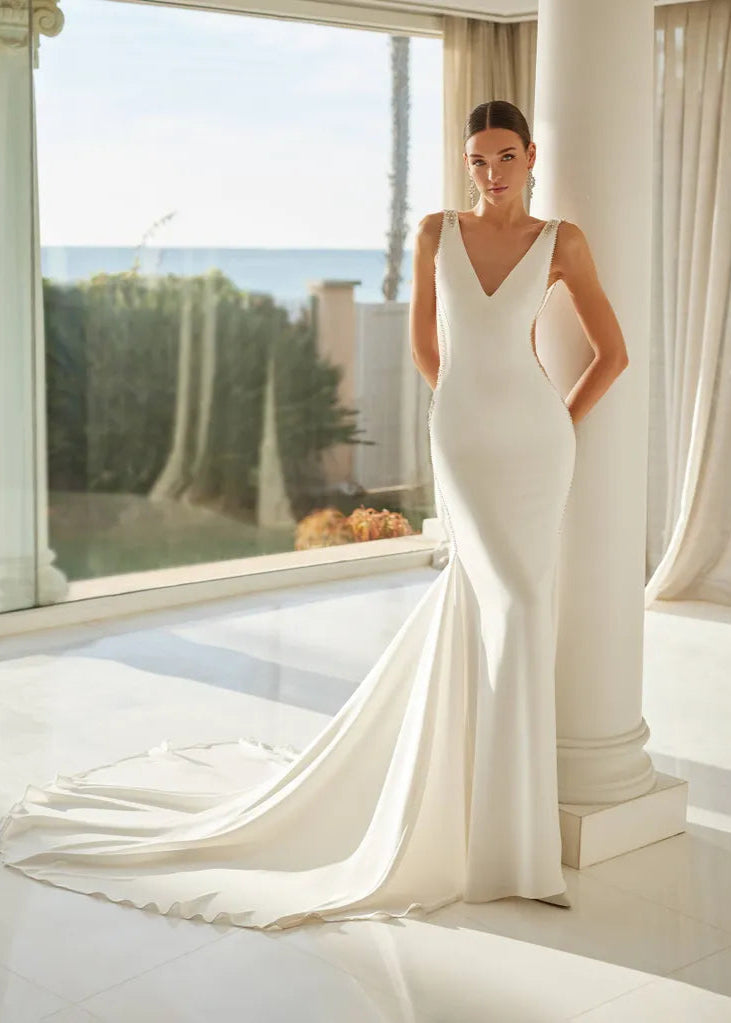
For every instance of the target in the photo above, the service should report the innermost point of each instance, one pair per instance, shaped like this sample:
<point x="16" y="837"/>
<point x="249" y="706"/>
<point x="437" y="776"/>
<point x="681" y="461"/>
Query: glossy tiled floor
<point x="648" y="937"/>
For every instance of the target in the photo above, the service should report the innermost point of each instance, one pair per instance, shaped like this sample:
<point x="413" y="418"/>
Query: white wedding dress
<point x="437" y="779"/>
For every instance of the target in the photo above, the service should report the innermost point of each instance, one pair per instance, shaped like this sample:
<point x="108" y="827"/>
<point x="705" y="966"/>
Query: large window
<point x="227" y="207"/>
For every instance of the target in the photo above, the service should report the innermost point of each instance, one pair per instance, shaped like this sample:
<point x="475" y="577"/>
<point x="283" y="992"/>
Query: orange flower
<point x="325" y="527"/>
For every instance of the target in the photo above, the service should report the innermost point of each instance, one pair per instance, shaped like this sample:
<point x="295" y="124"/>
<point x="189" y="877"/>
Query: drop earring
<point x="474" y="194"/>
<point x="531" y="183"/>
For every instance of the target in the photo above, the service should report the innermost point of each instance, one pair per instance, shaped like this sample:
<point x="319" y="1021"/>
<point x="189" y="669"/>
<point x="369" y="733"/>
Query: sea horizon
<point x="283" y="273"/>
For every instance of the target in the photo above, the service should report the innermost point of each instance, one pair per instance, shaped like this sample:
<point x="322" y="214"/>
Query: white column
<point x="593" y="132"/>
<point x="335" y="327"/>
<point x="27" y="575"/>
<point x="273" y="508"/>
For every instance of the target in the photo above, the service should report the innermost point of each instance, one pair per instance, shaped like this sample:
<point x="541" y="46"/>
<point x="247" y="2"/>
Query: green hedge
<point x="112" y="349"/>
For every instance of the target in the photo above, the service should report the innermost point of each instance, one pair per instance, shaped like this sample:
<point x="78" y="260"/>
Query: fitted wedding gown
<point x="437" y="779"/>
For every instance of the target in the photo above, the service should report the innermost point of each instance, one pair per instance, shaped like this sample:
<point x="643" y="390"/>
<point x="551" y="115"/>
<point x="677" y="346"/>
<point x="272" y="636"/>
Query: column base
<point x="594" y="832"/>
<point x="17" y="582"/>
<point x="53" y="585"/>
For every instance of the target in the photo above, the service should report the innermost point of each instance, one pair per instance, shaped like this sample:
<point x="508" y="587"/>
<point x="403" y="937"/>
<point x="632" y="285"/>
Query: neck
<point x="502" y="217"/>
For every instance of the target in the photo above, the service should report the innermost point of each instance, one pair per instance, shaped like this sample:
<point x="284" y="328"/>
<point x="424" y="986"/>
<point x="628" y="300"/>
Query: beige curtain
<point x="689" y="485"/>
<point x="483" y="60"/>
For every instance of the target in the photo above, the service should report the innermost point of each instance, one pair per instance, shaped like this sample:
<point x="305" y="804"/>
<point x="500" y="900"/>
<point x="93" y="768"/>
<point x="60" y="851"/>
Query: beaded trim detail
<point x="449" y="216"/>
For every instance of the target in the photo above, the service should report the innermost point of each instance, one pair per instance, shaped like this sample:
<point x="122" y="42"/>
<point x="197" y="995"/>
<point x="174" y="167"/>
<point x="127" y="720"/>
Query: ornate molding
<point x="47" y="18"/>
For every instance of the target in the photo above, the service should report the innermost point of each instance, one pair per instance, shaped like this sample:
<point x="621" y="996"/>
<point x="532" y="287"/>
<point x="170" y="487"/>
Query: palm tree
<point x="399" y="164"/>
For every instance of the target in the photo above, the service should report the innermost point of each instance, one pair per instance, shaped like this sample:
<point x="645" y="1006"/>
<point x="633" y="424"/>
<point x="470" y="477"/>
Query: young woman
<point x="503" y="444"/>
<point x="436" y="780"/>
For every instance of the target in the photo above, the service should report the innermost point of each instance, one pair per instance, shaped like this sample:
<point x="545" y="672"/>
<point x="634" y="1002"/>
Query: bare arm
<point x="423" y="308"/>
<point x="575" y="267"/>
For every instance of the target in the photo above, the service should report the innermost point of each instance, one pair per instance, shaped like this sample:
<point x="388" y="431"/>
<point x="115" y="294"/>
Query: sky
<point x="235" y="131"/>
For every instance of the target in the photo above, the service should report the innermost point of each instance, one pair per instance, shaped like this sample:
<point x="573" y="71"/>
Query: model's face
<point x="498" y="163"/>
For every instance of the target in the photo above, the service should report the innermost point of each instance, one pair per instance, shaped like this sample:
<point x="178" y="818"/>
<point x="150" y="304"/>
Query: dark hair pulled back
<point x="497" y="113"/>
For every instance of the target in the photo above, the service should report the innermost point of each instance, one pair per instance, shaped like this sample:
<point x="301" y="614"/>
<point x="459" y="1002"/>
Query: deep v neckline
<point x="510" y="272"/>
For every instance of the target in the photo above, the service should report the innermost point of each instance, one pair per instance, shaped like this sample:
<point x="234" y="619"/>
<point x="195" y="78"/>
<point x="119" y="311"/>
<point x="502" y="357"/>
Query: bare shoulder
<point x="431" y="223"/>
<point x="426" y="237"/>
<point x="569" y="236"/>
<point x="572" y="255"/>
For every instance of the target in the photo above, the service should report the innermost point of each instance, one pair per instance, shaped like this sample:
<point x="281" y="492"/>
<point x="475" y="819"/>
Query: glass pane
<point x="226" y="376"/>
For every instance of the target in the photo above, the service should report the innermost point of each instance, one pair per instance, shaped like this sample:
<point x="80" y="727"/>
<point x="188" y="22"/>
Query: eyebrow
<point x="498" y="152"/>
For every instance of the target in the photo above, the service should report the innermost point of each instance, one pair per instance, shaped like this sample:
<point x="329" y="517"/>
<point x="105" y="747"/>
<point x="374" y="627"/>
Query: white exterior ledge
<point x="135" y="592"/>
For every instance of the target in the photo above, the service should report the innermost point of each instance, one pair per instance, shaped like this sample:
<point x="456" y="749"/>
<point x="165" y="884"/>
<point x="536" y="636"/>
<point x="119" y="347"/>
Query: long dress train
<point x="437" y="779"/>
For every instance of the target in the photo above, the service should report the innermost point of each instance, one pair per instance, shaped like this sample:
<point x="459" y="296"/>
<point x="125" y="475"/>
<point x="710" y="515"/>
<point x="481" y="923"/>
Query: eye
<point x="478" y="162"/>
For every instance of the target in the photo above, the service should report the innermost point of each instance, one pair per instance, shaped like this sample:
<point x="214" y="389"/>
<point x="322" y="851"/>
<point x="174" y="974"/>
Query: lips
<point x="500" y="189"/>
